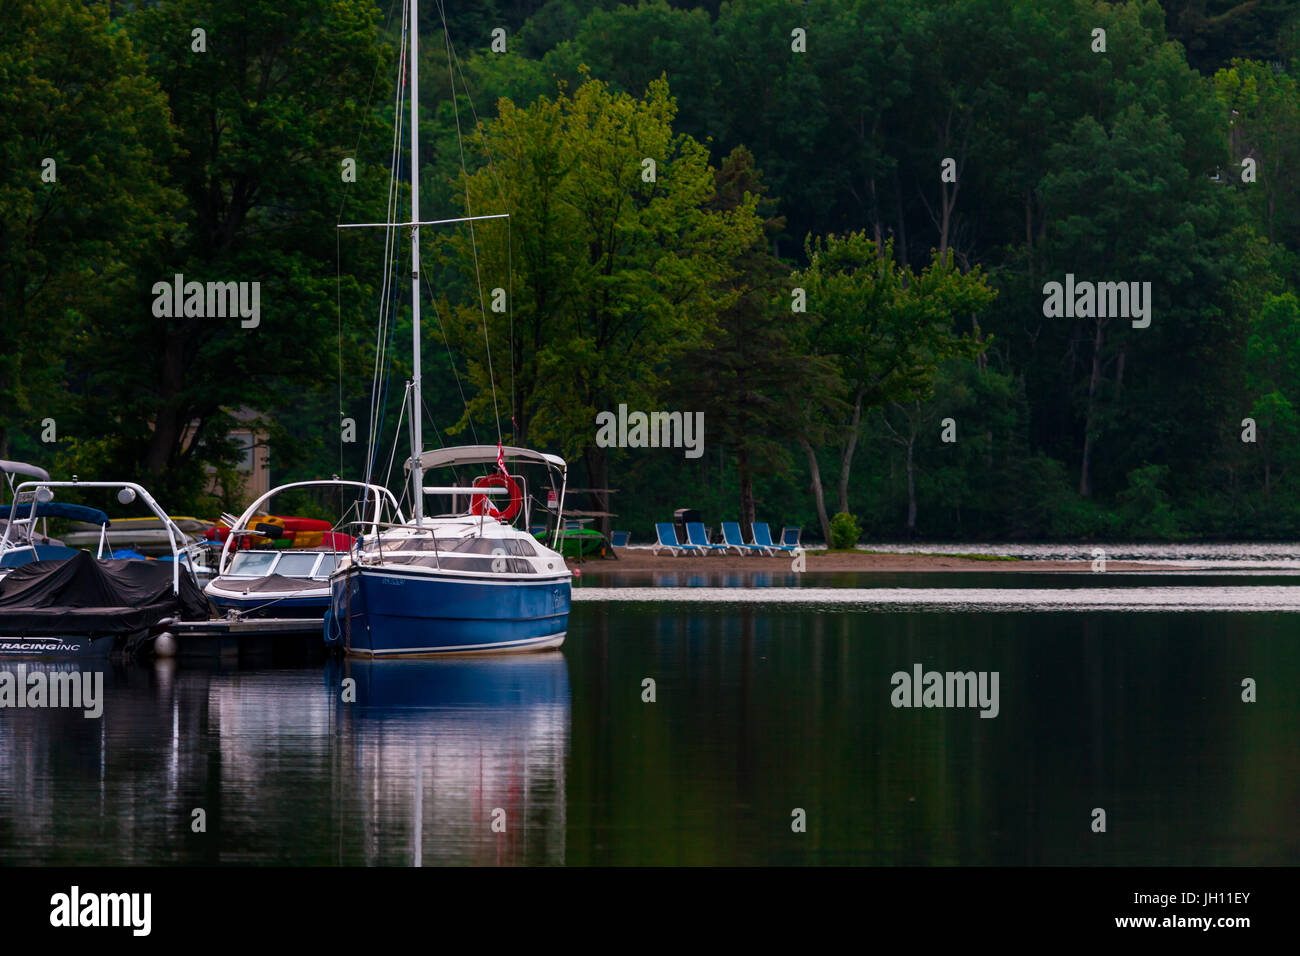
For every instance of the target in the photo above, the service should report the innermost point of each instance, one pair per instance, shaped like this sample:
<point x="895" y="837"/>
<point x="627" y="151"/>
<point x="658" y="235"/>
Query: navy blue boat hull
<point x="387" y="613"/>
<point x="307" y="608"/>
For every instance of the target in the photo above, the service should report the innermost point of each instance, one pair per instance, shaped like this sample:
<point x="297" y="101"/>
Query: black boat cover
<point x="84" y="595"/>
<point x="270" y="584"/>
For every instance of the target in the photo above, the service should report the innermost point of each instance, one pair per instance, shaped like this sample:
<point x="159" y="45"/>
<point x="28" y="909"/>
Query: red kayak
<point x="292" y="533"/>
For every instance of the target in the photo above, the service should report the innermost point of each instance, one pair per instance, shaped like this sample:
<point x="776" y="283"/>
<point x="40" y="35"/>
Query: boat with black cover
<point x="74" y="604"/>
<point x="84" y="606"/>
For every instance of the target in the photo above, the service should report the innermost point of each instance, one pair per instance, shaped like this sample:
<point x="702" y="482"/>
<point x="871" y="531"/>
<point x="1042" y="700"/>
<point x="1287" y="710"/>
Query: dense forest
<point x="962" y="269"/>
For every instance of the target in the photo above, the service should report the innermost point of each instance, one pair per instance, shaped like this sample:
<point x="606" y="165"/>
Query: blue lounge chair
<point x="619" y="539"/>
<point x="790" y="535"/>
<point x="763" y="538"/>
<point x="696" y="535"/>
<point x="666" y="537"/>
<point x="734" y="539"/>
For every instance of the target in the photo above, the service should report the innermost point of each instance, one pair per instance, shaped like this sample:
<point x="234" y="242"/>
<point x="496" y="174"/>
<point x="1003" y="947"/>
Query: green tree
<point x="1272" y="372"/>
<point x="1265" y="108"/>
<point x="970" y="485"/>
<point x="72" y="233"/>
<point x="266" y="112"/>
<point x="887" y="329"/>
<point x="1102" y="182"/>
<point x="1214" y="31"/>
<point x="748" y="375"/>
<point x="619" y="266"/>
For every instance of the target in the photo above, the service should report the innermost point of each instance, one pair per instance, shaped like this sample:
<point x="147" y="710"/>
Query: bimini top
<point x="22" y="468"/>
<point x="57" y="509"/>
<point x="482" y="454"/>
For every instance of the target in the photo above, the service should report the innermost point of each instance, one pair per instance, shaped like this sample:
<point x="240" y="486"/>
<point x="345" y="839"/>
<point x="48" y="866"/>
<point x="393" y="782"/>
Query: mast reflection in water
<point x="457" y="761"/>
<point x="222" y="766"/>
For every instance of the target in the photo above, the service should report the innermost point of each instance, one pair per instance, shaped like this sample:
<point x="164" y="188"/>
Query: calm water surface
<point x="761" y="707"/>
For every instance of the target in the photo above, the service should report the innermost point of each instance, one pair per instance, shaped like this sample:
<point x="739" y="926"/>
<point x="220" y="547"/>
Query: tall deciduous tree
<point x="748" y="375"/>
<point x="1102" y="183"/>
<point x="1272" y="372"/>
<point x="84" y="134"/>
<point x="620" y="261"/>
<point x="1264" y="105"/>
<point x="887" y="328"/>
<point x="269" y="98"/>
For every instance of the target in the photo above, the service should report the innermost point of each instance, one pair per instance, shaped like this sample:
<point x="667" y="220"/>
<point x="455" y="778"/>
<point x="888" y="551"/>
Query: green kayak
<point x="578" y="543"/>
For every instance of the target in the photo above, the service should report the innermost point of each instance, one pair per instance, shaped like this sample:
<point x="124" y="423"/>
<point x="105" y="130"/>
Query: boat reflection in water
<point x="454" y="761"/>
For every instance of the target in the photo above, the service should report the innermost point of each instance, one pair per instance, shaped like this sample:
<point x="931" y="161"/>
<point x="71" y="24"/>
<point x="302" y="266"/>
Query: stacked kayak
<point x="278" y="566"/>
<point x="279" y="532"/>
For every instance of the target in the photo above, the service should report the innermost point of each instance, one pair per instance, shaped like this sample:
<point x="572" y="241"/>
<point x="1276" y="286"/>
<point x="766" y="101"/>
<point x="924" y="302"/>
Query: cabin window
<point x="494" y="546"/>
<point x="296" y="565"/>
<point x="469" y="545"/>
<point x="484" y="546"/>
<point x="420" y="560"/>
<point x="252" y="563"/>
<point x="401" y="542"/>
<point x="452" y="562"/>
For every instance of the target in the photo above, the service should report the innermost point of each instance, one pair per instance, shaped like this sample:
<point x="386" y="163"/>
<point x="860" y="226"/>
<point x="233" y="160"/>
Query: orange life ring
<point x="479" y="504"/>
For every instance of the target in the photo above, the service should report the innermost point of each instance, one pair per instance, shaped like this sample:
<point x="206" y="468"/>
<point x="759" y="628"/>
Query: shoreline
<point x="641" y="559"/>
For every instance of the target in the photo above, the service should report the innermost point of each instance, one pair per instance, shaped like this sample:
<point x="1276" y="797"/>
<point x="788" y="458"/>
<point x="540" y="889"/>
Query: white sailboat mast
<point x="417" y="405"/>
<point x="417" y="402"/>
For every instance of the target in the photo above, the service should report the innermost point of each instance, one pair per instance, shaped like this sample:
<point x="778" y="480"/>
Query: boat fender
<point x="164" y="645"/>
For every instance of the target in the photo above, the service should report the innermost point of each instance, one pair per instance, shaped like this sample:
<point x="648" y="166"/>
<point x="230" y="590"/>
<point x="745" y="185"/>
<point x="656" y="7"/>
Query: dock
<point x="256" y="637"/>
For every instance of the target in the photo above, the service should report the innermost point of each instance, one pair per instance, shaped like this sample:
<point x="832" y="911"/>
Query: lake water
<point x="1123" y="695"/>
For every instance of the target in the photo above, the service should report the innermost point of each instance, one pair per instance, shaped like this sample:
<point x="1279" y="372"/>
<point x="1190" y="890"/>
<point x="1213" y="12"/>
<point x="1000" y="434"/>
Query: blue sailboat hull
<point x="384" y="613"/>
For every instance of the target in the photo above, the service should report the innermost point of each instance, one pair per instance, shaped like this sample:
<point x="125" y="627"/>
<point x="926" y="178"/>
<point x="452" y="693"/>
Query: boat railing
<point x="356" y="530"/>
<point x="359" y="540"/>
<point x="470" y="455"/>
<point x="378" y="553"/>
<point x="23" y="526"/>
<point x="175" y="536"/>
<point x="240" y="525"/>
<point x="470" y="491"/>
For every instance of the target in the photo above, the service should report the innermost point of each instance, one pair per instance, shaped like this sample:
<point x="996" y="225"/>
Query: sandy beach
<point x="642" y="559"/>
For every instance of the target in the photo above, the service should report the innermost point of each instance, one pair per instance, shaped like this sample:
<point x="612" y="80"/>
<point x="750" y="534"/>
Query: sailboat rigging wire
<point x="387" y="302"/>
<point x="338" y="251"/>
<point x="436" y="434"/>
<point x="451" y="360"/>
<point x="397" y="434"/>
<point x="510" y="241"/>
<point x="510" y="312"/>
<point x="469" y="209"/>
<point x="338" y="305"/>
